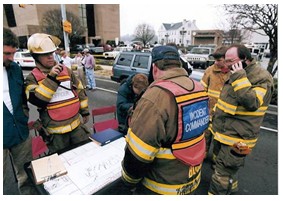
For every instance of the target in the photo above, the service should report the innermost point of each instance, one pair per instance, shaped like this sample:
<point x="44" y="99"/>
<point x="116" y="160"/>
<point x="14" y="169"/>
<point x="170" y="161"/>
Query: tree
<point x="52" y="24"/>
<point x="256" y="17"/>
<point x="144" y="33"/>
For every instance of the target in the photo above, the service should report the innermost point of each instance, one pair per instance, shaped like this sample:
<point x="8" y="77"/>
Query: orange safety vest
<point x="65" y="103"/>
<point x="193" y="120"/>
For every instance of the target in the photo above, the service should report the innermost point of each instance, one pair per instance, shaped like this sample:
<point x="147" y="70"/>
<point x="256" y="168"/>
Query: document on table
<point x="90" y="168"/>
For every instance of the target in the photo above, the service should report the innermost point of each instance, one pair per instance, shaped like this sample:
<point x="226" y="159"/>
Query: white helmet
<point x="41" y="43"/>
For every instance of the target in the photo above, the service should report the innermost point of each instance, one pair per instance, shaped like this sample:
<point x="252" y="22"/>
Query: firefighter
<point x="239" y="112"/>
<point x="59" y="96"/>
<point x="165" y="141"/>
<point x="213" y="80"/>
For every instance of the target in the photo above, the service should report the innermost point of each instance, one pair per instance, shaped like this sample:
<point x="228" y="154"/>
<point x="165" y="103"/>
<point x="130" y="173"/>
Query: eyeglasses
<point x="9" y="53"/>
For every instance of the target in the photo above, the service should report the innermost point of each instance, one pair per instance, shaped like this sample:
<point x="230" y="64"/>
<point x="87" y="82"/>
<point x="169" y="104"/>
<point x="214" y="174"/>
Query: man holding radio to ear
<point x="238" y="115"/>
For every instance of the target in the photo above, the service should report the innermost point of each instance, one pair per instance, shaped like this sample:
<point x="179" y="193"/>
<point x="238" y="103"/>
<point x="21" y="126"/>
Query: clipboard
<point x="47" y="168"/>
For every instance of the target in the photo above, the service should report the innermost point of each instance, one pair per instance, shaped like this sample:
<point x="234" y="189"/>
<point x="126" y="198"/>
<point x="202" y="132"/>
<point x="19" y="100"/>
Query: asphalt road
<point x="258" y="177"/>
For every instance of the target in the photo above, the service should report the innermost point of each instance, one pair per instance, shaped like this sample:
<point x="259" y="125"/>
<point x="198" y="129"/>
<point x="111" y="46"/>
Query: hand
<point x="56" y="70"/>
<point x="85" y="119"/>
<point x="236" y="67"/>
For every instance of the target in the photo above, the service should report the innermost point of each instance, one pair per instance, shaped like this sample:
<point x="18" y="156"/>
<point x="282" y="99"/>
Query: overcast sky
<point x="207" y="16"/>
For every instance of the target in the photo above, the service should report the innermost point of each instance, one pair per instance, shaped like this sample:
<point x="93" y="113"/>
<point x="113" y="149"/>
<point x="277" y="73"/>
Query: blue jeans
<point x="90" y="78"/>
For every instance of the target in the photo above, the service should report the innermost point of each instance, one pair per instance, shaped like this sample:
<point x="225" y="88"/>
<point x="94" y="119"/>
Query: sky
<point x="207" y="16"/>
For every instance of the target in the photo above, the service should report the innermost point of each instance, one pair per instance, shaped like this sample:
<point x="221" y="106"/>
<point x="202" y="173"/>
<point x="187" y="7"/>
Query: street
<point x="258" y="177"/>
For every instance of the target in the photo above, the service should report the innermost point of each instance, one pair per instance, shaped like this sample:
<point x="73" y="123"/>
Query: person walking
<point x="79" y="60"/>
<point x="213" y="80"/>
<point x="59" y="96"/>
<point x="238" y="115"/>
<point x="16" y="138"/>
<point x="89" y="64"/>
<point x="165" y="144"/>
<point x="128" y="94"/>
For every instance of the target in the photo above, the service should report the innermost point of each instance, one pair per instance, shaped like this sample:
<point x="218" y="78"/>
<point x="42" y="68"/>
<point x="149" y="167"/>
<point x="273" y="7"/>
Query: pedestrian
<point x="89" y="64"/>
<point x="16" y="138"/>
<point x="165" y="141"/>
<point x="213" y="80"/>
<point x="238" y="115"/>
<point x="128" y="94"/>
<point x="67" y="61"/>
<point x="59" y="96"/>
<point x="57" y="55"/>
<point x="79" y="60"/>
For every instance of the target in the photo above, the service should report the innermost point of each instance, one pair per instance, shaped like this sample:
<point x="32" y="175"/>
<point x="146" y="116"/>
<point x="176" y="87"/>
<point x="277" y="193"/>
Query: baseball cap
<point x="165" y="53"/>
<point x="85" y="50"/>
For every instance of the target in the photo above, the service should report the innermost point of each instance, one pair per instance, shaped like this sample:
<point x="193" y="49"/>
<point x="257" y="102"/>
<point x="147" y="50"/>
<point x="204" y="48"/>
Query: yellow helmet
<point x="41" y="43"/>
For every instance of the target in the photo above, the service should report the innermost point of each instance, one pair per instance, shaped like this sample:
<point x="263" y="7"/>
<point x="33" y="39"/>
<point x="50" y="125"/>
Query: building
<point x="207" y="37"/>
<point x="179" y="33"/>
<point x="101" y="21"/>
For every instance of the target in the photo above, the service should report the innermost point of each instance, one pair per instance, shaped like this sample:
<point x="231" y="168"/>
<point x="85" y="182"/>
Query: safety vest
<point x="64" y="103"/>
<point x="193" y="120"/>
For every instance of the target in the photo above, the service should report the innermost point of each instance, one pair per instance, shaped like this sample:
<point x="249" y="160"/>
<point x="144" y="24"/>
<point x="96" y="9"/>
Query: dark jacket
<point x="125" y="100"/>
<point x="15" y="128"/>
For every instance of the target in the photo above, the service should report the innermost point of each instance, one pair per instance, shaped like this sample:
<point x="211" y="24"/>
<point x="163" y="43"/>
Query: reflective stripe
<point x="191" y="96"/>
<point x="226" y="107"/>
<point x="29" y="88"/>
<point x="241" y="83"/>
<point x="167" y="189"/>
<point x="65" y="77"/>
<point x="165" y="153"/>
<point x="62" y="104"/>
<point x="143" y="150"/>
<point x="66" y="128"/>
<point x="84" y="103"/>
<point x="129" y="179"/>
<point x="213" y="93"/>
<point x="259" y="112"/>
<point x="260" y="93"/>
<point x="44" y="91"/>
<point x="228" y="140"/>
<point x="183" y="145"/>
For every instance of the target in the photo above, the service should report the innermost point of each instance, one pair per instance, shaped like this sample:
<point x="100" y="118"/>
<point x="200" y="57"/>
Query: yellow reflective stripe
<point x="66" y="128"/>
<point x="234" y="184"/>
<point x="29" y="88"/>
<point x="80" y="85"/>
<point x="260" y="93"/>
<point x="44" y="91"/>
<point x="130" y="179"/>
<point x="213" y="93"/>
<point x="188" y="143"/>
<point x="226" y="107"/>
<point x="165" y="153"/>
<point x="63" y="104"/>
<point x="191" y="96"/>
<point x="241" y="83"/>
<point x="84" y="103"/>
<point x="167" y="189"/>
<point x="143" y="150"/>
<point x="203" y="84"/>
<point x="232" y="140"/>
<point x="259" y="112"/>
<point x="65" y="77"/>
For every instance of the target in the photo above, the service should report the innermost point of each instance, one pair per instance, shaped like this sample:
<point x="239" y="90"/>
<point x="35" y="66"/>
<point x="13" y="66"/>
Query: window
<point x="125" y="59"/>
<point x="141" y="61"/>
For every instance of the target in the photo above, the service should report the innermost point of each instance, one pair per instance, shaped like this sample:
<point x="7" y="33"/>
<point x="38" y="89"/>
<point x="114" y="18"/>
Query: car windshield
<point x="26" y="55"/>
<point x="200" y="51"/>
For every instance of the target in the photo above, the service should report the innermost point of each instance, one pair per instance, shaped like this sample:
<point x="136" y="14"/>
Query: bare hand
<point x="236" y="67"/>
<point x="56" y="70"/>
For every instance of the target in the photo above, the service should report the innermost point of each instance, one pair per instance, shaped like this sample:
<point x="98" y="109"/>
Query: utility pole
<point x="64" y="18"/>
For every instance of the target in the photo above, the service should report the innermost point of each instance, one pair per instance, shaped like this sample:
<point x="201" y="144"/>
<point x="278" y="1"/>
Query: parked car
<point x="24" y="59"/>
<point x="128" y="63"/>
<point x="93" y="49"/>
<point x="77" y="48"/>
<point x="113" y="54"/>
<point x="200" y="57"/>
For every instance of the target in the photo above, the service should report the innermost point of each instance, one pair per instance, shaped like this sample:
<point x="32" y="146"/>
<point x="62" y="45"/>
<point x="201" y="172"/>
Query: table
<point x="92" y="169"/>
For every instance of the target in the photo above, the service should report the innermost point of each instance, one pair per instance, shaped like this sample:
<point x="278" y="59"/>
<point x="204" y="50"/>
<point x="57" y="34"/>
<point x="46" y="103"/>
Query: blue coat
<point x="15" y="128"/>
<point x="125" y="99"/>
